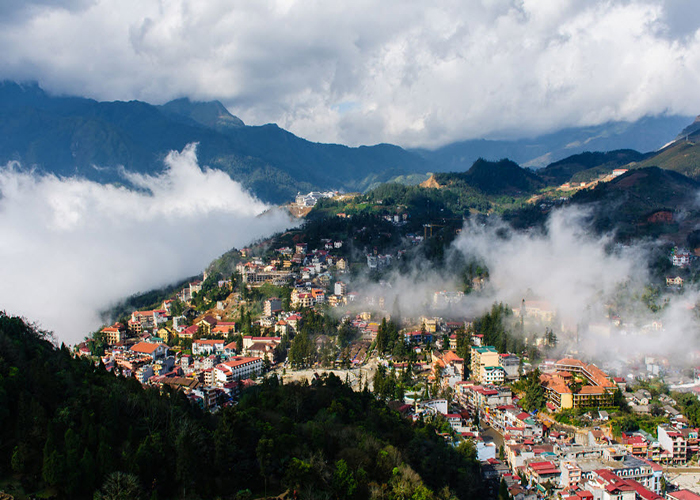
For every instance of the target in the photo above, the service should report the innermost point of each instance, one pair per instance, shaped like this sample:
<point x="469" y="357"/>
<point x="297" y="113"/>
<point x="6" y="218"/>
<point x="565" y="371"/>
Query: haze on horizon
<point x="367" y="72"/>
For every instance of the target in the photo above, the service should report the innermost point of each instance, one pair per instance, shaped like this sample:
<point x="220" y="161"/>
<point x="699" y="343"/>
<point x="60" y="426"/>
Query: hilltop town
<point x="543" y="424"/>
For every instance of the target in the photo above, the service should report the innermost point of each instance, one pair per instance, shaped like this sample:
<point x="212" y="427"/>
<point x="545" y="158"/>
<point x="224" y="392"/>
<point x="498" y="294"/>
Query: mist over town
<point x="281" y="249"/>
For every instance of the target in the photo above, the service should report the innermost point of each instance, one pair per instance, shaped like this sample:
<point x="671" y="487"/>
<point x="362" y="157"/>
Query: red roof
<point x="238" y="361"/>
<point x="683" y="495"/>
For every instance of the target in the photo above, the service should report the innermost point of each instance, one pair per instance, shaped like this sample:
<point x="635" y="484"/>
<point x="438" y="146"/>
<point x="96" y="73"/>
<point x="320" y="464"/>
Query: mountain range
<point x="75" y="136"/>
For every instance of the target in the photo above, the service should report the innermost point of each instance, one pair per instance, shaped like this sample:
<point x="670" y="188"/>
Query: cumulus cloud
<point x="366" y="72"/>
<point x="72" y="247"/>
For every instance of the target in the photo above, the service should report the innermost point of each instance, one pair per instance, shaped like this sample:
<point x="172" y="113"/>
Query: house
<point x="189" y="332"/>
<point x="166" y="333"/>
<point x="674" y="281"/>
<point x="542" y="472"/>
<point x="223" y="328"/>
<point x="264" y="350"/>
<point x="154" y="351"/>
<point x="680" y="257"/>
<point x="207" y="347"/>
<point x="206" y="324"/>
<point x="114" y="334"/>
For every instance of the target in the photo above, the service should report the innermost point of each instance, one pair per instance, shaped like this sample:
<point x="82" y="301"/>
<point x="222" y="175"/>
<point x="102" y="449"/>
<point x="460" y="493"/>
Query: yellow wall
<point x="567" y="401"/>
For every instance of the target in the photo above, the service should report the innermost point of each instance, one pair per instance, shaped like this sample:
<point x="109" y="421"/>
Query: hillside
<point x="69" y="428"/>
<point x="625" y="203"/>
<point x="690" y="129"/>
<point x="75" y="136"/>
<point x="682" y="156"/>
<point x="494" y="178"/>
<point x="588" y="165"/>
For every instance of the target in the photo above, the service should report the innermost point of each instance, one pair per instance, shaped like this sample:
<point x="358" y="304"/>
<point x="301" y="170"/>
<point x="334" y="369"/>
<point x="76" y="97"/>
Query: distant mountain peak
<point x="211" y="114"/>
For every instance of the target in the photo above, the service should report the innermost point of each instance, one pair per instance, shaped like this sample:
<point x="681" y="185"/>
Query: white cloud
<point x="417" y="74"/>
<point x="72" y="247"/>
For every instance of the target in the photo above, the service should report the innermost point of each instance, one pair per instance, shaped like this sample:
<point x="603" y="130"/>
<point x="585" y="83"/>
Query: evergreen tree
<point x="534" y="398"/>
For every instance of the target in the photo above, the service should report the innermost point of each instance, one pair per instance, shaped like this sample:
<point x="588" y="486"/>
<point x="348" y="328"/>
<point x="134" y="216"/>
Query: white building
<point x="237" y="368"/>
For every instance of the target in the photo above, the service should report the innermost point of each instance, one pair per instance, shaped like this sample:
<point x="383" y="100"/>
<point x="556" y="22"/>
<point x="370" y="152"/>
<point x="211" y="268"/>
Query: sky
<point x="406" y="72"/>
<point x="71" y="248"/>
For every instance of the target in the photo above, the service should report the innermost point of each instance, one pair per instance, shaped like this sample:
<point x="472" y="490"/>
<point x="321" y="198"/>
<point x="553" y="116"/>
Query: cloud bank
<point x="595" y="287"/>
<point x="71" y="247"/>
<point x="364" y="71"/>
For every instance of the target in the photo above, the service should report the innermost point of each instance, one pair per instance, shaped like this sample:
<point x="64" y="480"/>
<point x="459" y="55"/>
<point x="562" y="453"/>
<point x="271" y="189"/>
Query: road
<point x="490" y="434"/>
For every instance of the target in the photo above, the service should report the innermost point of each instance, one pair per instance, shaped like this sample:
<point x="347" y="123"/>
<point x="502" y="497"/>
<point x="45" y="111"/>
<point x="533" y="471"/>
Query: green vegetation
<point x="69" y="428"/>
<point x="495" y="178"/>
<point x="534" y="398"/>
<point x="69" y="135"/>
<point x="682" y="156"/>
<point x="587" y="166"/>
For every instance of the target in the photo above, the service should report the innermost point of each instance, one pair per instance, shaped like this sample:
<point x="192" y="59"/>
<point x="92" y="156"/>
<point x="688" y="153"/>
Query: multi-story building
<point x="575" y="384"/>
<point x="237" y="368"/>
<point x="673" y="442"/>
<point x="492" y="375"/>
<point x="114" y="334"/>
<point x="272" y="306"/>
<point x="480" y="357"/>
<point x="511" y="364"/>
<point x="340" y="288"/>
<point x="207" y="347"/>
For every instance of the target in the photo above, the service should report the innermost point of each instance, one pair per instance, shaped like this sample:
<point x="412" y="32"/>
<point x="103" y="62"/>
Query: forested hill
<point x="495" y="178"/>
<point x="69" y="429"/>
<point x="76" y="136"/>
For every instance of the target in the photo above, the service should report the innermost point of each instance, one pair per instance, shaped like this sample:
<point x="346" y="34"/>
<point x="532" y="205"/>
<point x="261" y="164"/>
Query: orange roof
<point x="591" y="390"/>
<point x="145" y="347"/>
<point x="208" y="342"/>
<point x="571" y="361"/>
<point x="451" y="357"/>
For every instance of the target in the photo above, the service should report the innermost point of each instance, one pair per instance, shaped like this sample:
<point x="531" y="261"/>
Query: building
<point x="492" y="375"/>
<point x="206" y="324"/>
<point x="575" y="384"/>
<point x="154" y="351"/>
<point x="606" y="485"/>
<point x="340" y="288"/>
<point x="114" y="334"/>
<point x="481" y="357"/>
<point x="674" y="281"/>
<point x="673" y="442"/>
<point x="272" y="306"/>
<point x="510" y="364"/>
<point x="237" y="368"/>
<point x="202" y="347"/>
<point x="680" y="257"/>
